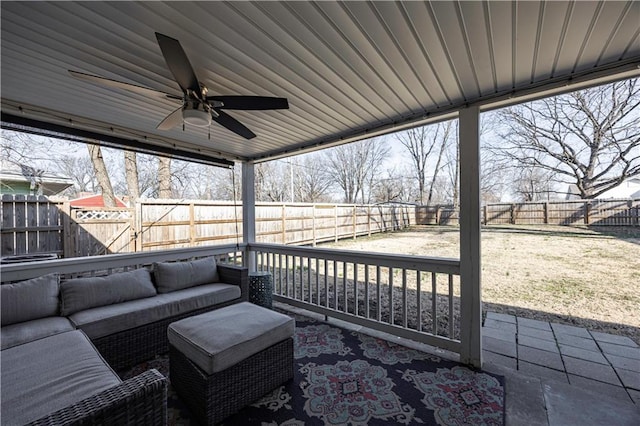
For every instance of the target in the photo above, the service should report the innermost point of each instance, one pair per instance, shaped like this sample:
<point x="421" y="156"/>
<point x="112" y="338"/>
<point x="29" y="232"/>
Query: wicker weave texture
<point x="212" y="398"/>
<point x="141" y="400"/>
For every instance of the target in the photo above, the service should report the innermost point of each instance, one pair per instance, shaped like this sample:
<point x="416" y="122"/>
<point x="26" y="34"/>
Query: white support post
<point x="470" y="289"/>
<point x="249" y="213"/>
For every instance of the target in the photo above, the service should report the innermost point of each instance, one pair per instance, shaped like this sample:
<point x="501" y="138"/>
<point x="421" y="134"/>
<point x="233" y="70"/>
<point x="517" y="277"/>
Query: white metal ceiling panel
<point x="349" y="69"/>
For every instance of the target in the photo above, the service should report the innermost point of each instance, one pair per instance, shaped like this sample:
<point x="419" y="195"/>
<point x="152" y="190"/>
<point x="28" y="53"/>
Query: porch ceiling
<point x="350" y="70"/>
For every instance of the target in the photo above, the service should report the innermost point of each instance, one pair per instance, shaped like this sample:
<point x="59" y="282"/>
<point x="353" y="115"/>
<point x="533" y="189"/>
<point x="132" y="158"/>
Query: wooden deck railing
<point x="408" y="296"/>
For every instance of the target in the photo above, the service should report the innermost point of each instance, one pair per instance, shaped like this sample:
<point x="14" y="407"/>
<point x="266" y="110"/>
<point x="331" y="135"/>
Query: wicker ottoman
<point x="223" y="360"/>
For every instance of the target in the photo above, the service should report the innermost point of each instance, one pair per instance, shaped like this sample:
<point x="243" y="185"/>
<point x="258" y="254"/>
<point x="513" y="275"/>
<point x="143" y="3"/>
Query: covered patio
<point x="350" y="71"/>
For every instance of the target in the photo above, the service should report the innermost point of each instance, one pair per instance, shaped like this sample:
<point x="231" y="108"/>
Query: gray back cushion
<point x="29" y="300"/>
<point x="79" y="294"/>
<point x="178" y="275"/>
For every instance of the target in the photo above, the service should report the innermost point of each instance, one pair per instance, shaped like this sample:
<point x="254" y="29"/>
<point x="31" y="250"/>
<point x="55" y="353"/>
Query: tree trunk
<point x="131" y="174"/>
<point x="443" y="145"/>
<point x="164" y="177"/>
<point x="95" y="152"/>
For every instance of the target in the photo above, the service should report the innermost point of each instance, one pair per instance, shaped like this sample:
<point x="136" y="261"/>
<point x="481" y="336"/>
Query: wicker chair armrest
<point x="238" y="275"/>
<point x="141" y="400"/>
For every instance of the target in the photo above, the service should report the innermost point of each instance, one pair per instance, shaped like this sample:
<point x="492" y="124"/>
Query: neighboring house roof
<point x="19" y="183"/>
<point x="93" y="201"/>
<point x="629" y="188"/>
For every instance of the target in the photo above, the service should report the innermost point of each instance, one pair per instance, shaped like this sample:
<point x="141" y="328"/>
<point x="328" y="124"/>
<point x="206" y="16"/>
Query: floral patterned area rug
<point x="349" y="378"/>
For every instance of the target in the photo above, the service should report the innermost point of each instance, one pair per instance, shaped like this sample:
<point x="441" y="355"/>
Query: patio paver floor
<point x="573" y="366"/>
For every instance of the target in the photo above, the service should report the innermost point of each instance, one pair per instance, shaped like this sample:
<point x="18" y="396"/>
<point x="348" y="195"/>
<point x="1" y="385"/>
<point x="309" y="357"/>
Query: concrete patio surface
<point x="562" y="375"/>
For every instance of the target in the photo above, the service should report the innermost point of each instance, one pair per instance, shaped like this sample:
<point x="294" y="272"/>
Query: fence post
<point x="355" y="220"/>
<point x="132" y="226"/>
<point x="284" y="223"/>
<point x="546" y="213"/>
<point x="512" y="219"/>
<point x="138" y="226"/>
<point x="369" y="219"/>
<point x="335" y="211"/>
<point x="67" y="248"/>
<point x="485" y="211"/>
<point x="313" y="207"/>
<point x="192" y="225"/>
<point x="587" y="211"/>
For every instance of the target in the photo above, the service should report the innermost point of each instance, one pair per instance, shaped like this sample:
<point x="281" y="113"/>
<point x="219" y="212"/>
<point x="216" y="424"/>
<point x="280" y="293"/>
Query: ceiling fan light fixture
<point x="196" y="117"/>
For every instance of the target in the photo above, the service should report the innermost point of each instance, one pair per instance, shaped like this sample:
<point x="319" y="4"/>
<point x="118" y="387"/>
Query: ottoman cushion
<point x="216" y="340"/>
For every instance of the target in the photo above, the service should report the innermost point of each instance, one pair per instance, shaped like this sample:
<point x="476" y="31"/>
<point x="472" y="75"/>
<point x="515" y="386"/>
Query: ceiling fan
<point x="198" y="107"/>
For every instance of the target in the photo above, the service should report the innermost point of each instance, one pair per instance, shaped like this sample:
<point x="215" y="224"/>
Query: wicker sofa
<point x="117" y="320"/>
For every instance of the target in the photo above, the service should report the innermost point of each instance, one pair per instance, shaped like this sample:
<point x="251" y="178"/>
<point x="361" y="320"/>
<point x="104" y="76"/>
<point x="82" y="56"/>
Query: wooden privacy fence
<point x="170" y="224"/>
<point x="38" y="225"/>
<point x="31" y="224"/>
<point x="598" y="212"/>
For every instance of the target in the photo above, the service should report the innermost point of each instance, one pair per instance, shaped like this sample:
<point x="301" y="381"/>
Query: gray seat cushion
<point x="216" y="340"/>
<point x="172" y="276"/>
<point x="28" y="331"/>
<point x="49" y="374"/>
<point x="30" y="299"/>
<point x="106" y="320"/>
<point x="79" y="294"/>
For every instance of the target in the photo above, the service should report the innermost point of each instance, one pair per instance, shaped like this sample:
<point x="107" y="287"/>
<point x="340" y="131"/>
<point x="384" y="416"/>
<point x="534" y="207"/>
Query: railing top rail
<point x="419" y="263"/>
<point x="27" y="270"/>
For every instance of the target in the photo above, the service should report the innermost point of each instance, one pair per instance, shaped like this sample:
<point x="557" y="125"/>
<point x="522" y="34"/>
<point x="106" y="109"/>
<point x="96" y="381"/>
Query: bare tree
<point x="425" y="145"/>
<point x="532" y="184"/>
<point x="391" y="187"/>
<point x="589" y="138"/>
<point x="353" y="167"/>
<point x="81" y="170"/>
<point x="17" y="148"/>
<point x="311" y="180"/>
<point x="272" y="181"/>
<point x="102" y="175"/>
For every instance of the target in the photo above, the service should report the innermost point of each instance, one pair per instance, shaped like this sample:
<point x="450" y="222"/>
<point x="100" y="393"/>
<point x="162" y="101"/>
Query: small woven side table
<point x="261" y="289"/>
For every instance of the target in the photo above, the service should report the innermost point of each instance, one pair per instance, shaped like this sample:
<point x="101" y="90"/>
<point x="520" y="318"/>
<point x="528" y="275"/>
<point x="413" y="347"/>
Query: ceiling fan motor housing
<point x="196" y="114"/>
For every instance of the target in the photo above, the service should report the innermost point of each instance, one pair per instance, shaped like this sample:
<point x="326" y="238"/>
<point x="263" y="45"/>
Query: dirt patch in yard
<point x="584" y="276"/>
